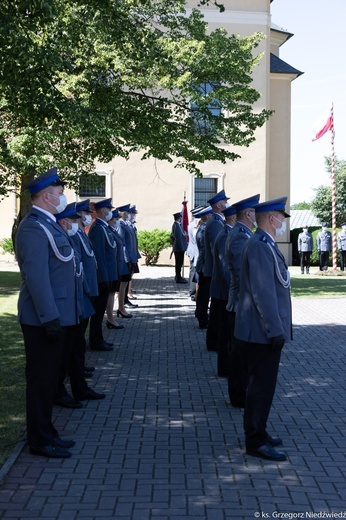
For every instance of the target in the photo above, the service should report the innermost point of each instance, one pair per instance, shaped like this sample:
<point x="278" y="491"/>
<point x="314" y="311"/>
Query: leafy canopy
<point x="93" y="79"/>
<point x="322" y="203"/>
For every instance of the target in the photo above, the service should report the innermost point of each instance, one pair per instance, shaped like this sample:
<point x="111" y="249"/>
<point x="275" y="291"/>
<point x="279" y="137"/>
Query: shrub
<point x="7" y="245"/>
<point x="151" y="243"/>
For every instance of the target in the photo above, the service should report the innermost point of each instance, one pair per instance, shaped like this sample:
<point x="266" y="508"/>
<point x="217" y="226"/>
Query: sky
<point x="318" y="49"/>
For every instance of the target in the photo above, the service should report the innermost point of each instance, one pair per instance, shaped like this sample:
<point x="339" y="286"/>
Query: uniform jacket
<point x="122" y="266"/>
<point x="324" y="241"/>
<point x="235" y="243"/>
<point x="84" y="246"/>
<point x="201" y="247"/>
<point x="264" y="308"/>
<point x="220" y="278"/>
<point x="180" y="242"/>
<point x="305" y="242"/>
<point x="341" y="238"/>
<point x="83" y="292"/>
<point x="105" y="249"/>
<point x="128" y="237"/>
<point x="49" y="289"/>
<point x="213" y="228"/>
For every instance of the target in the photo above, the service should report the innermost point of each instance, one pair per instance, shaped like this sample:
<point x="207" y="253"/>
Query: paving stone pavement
<point x="166" y="445"/>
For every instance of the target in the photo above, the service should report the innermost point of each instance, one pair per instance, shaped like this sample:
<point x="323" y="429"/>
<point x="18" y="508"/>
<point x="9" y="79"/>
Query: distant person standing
<point x="179" y="246"/>
<point x="305" y="247"/>
<point x="324" y="246"/>
<point x="202" y="298"/>
<point x="341" y="239"/>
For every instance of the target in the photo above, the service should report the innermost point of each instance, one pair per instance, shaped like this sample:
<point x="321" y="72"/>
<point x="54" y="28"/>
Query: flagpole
<point x="333" y="194"/>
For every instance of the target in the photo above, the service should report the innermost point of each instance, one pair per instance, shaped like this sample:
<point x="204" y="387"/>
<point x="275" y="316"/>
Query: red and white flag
<point x="325" y="123"/>
<point x="185" y="218"/>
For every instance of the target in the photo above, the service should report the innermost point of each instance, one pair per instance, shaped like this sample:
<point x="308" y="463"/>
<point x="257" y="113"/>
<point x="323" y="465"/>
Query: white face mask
<point x="73" y="229"/>
<point x="227" y="205"/>
<point x="87" y="220"/>
<point x="108" y="216"/>
<point x="255" y="225"/>
<point x="62" y="202"/>
<point x="281" y="230"/>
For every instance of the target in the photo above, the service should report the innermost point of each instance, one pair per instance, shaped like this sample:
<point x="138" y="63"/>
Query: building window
<point x="204" y="190"/>
<point x="201" y="121"/>
<point x="93" y="186"/>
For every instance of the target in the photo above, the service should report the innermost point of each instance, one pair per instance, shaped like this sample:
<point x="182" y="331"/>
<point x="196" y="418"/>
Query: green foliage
<point x="151" y="243"/>
<point x="86" y="79"/>
<point x="301" y="205"/>
<point x="7" y="245"/>
<point x="322" y="203"/>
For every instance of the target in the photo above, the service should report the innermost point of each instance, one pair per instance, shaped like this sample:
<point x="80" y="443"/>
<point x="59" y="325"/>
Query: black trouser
<point x="262" y="365"/>
<point x="342" y="260"/>
<point x="324" y="260"/>
<point x="99" y="303"/>
<point x="305" y="261"/>
<point x="42" y="368"/>
<point x="222" y="350"/>
<point x="202" y="300"/>
<point x="237" y="375"/>
<point x="212" y="337"/>
<point x="192" y="283"/>
<point x="179" y="261"/>
<point x="73" y="362"/>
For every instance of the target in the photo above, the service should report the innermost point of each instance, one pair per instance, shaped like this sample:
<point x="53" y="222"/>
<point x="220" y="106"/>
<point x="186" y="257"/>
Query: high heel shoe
<point x="119" y="313"/>
<point x="110" y="325"/>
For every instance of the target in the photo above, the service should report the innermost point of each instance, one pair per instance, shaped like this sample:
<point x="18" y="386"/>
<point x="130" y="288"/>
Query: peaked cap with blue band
<point x="126" y="207"/>
<point x="84" y="205"/>
<point x="133" y="209"/>
<point x="115" y="213"/>
<point x="204" y="211"/>
<point x="177" y="215"/>
<point x="197" y="209"/>
<point x="219" y="196"/>
<point x="273" y="205"/>
<point x="69" y="212"/>
<point x="250" y="202"/>
<point x="48" y="178"/>
<point x="231" y="210"/>
<point x="105" y="203"/>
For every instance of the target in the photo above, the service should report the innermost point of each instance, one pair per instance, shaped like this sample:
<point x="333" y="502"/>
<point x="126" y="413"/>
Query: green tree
<point x="93" y="79"/>
<point x="301" y="205"/>
<point x="322" y="203"/>
<point x="151" y="243"/>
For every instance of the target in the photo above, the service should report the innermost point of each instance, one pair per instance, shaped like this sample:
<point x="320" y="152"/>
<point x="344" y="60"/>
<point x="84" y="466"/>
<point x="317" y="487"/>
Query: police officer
<point x="341" y="239"/>
<point x="219" y="286"/>
<point x="235" y="243"/>
<point x="202" y="297"/>
<point x="263" y="324"/>
<point x="104" y="247"/>
<point x="129" y="239"/>
<point x="47" y="305"/>
<point x="324" y="246"/>
<point x="305" y="247"/>
<point x="213" y="228"/>
<point x="179" y="246"/>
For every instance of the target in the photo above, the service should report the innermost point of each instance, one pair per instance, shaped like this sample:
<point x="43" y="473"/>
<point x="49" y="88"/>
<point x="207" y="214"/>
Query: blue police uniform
<point x="202" y="299"/>
<point x="341" y="241"/>
<point x="262" y="325"/>
<point x="179" y="247"/>
<point x="47" y="304"/>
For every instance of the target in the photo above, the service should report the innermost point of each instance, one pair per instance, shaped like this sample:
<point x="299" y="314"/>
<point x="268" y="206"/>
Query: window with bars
<point x="93" y="186"/>
<point x="204" y="190"/>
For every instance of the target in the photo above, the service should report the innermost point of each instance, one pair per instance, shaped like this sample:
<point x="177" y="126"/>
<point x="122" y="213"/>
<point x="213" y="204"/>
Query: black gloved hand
<point x="53" y="330"/>
<point x="277" y="342"/>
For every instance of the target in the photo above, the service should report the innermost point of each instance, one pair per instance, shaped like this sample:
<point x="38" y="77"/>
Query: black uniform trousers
<point x="202" y="300"/>
<point x="324" y="260"/>
<point x="42" y="369"/>
<point x="179" y="260"/>
<point x="305" y="261"/>
<point x="237" y="375"/>
<point x="262" y="363"/>
<point x="73" y="362"/>
<point x="212" y="336"/>
<point x="99" y="303"/>
<point x="342" y="260"/>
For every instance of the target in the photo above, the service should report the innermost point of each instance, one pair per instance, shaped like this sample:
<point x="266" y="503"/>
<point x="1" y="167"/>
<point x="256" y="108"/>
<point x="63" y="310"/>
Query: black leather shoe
<point x="68" y="402"/>
<point x="92" y="395"/>
<point x="267" y="452"/>
<point x="238" y="404"/>
<point x="52" y="451"/>
<point x="89" y="369"/>
<point x="130" y="304"/>
<point x="181" y="280"/>
<point x="57" y="441"/>
<point x="274" y="441"/>
<point x="102" y="348"/>
<point x="88" y="375"/>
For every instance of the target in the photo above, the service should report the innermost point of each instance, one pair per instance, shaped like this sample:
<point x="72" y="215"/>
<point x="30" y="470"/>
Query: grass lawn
<point x="12" y="359"/>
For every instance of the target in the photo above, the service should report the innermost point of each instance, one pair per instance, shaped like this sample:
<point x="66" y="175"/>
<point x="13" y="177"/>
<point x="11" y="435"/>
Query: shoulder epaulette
<point x="264" y="239"/>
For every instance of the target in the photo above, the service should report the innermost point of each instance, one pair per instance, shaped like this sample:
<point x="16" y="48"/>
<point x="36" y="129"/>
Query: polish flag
<point x="325" y="123"/>
<point x="185" y="219"/>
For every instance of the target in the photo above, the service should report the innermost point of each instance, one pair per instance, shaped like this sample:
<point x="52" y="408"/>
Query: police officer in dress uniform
<point x="213" y="228"/>
<point x="132" y="223"/>
<point x="47" y="304"/>
<point x="192" y="251"/>
<point x="305" y="247"/>
<point x="202" y="298"/>
<point x="128" y="236"/>
<point x="341" y="240"/>
<point x="324" y="246"/>
<point x="104" y="247"/>
<point x="263" y="324"/>
<point x="235" y="242"/>
<point x="179" y="246"/>
<point x="219" y="286"/>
